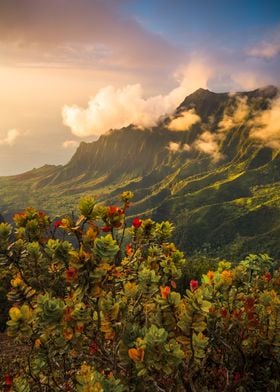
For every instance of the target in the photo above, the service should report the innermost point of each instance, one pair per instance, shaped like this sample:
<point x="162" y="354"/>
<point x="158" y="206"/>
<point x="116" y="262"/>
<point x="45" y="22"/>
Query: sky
<point x="70" y="70"/>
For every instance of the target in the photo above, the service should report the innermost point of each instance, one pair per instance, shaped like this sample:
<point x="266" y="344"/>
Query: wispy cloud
<point x="70" y="144"/>
<point x="266" y="126"/>
<point x="208" y="143"/>
<point x="10" y="138"/>
<point x="86" y="33"/>
<point x="266" y="50"/>
<point x="234" y="115"/>
<point x="184" y="121"/>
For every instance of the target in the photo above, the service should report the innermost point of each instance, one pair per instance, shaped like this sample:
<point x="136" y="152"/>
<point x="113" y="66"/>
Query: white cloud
<point x="173" y="146"/>
<point x="178" y="147"/>
<point x="184" y="121"/>
<point x="70" y="144"/>
<point x="208" y="143"/>
<point x="266" y="126"/>
<point x="11" y="137"/>
<point x="117" y="108"/>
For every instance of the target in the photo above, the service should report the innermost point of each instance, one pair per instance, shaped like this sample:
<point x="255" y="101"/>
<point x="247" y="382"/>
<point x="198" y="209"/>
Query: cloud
<point x="266" y="126"/>
<point x="84" y="32"/>
<point x="178" y="147"/>
<point x="173" y="146"/>
<point x="184" y="121"/>
<point x="186" y="147"/>
<point x="11" y="137"/>
<point x="208" y="143"/>
<point x="235" y="115"/>
<point x="195" y="74"/>
<point x="70" y="144"/>
<point x="266" y="50"/>
<point x="119" y="107"/>
<point x="269" y="47"/>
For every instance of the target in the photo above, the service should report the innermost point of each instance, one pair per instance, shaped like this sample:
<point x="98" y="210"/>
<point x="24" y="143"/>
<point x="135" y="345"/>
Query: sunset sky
<point x="72" y="69"/>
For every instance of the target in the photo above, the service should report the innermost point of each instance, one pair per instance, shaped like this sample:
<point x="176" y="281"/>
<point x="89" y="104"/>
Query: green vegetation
<point x="99" y="305"/>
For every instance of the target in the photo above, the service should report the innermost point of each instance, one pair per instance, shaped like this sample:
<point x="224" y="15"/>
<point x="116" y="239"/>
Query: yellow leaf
<point x="15" y="313"/>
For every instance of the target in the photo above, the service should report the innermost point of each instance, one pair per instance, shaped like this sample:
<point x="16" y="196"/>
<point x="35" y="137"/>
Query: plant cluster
<point x="97" y="305"/>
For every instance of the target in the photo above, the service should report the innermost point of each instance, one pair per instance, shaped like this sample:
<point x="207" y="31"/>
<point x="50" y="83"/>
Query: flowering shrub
<point x="97" y="306"/>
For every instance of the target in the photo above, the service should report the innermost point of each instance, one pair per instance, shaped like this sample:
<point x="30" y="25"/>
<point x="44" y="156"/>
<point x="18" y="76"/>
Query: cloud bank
<point x="119" y="107"/>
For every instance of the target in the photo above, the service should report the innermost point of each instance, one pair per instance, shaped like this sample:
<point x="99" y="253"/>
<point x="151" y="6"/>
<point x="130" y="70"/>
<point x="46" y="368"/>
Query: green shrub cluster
<point x="97" y="305"/>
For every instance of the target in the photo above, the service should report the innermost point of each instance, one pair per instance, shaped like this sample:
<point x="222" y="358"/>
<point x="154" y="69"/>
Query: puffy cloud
<point x="11" y="137"/>
<point x="208" y="143"/>
<point x="178" y="147"/>
<point x="266" y="126"/>
<point x="195" y="74"/>
<point x="236" y="116"/>
<point x="184" y="121"/>
<point x="117" y="108"/>
<point x="173" y="146"/>
<point x="186" y="147"/>
<point x="70" y="144"/>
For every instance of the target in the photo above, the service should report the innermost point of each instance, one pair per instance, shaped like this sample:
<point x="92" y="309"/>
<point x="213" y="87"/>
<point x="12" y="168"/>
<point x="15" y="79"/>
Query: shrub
<point x="101" y="311"/>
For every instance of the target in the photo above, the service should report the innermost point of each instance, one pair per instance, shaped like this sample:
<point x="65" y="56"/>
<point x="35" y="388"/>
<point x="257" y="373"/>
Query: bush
<point x="97" y="306"/>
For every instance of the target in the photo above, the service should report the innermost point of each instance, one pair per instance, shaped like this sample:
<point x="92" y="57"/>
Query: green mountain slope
<point x="229" y="206"/>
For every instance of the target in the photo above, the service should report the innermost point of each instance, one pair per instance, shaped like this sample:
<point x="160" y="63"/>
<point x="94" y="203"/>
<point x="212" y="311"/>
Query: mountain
<point x="218" y="184"/>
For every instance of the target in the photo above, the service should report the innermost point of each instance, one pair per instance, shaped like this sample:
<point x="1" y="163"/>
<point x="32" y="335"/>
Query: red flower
<point x="8" y="380"/>
<point x="249" y="303"/>
<point x="106" y="229"/>
<point x="114" y="210"/>
<point x="93" y="348"/>
<point x="194" y="285"/>
<point x="224" y="313"/>
<point x="136" y="222"/>
<point x="236" y="378"/>
<point x="71" y="273"/>
<point x="57" y="224"/>
<point x="267" y="276"/>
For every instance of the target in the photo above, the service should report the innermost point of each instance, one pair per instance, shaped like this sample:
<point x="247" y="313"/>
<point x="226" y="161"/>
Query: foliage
<point x="97" y="305"/>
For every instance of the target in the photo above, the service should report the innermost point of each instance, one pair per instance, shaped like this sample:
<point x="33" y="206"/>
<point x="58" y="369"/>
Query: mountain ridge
<point x="211" y="202"/>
